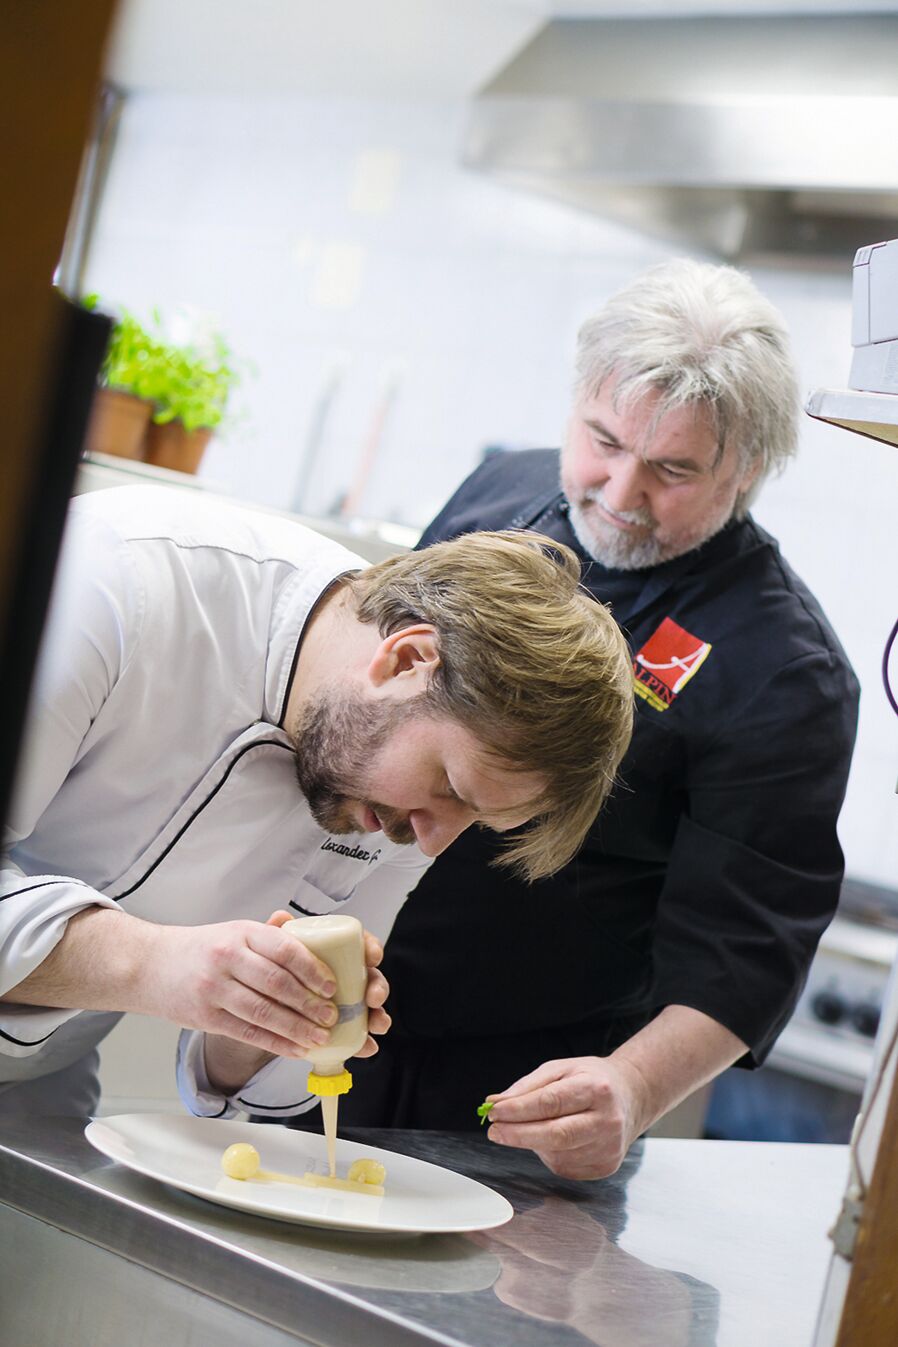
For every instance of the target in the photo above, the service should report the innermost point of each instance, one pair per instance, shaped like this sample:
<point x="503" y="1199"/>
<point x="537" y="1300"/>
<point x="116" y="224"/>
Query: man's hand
<point x="246" y="983"/>
<point x="232" y="1059"/>
<point x="377" y="991"/>
<point x="582" y="1114"/>
<point x="244" y="979"/>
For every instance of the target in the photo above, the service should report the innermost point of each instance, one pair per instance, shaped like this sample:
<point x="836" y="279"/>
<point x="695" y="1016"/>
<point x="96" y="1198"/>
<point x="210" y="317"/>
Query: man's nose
<point x="624" y="486"/>
<point x="437" y="829"/>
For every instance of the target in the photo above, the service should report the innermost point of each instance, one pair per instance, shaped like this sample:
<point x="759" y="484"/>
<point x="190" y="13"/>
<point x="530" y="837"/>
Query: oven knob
<point x="865" y="1019"/>
<point x="828" y="1007"/>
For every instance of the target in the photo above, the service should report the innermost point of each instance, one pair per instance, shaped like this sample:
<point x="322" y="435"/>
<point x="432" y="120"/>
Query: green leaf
<point x="181" y="383"/>
<point x="483" y="1110"/>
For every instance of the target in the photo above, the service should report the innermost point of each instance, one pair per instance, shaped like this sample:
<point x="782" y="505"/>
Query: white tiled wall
<point x="417" y="313"/>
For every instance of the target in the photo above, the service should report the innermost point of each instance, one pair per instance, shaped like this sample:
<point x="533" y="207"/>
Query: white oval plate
<point x="186" y="1152"/>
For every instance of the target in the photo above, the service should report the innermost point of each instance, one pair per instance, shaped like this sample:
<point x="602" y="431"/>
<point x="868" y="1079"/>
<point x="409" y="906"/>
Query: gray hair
<point x="700" y="334"/>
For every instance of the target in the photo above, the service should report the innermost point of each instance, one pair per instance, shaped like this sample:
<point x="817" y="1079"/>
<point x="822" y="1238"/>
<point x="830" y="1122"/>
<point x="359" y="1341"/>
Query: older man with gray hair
<point x="677" y="942"/>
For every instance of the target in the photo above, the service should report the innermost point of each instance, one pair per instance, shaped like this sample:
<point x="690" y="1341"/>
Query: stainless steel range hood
<point x="751" y="137"/>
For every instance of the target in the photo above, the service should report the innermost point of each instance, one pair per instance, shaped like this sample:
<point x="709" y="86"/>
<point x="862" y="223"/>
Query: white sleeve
<point x="279" y="1089"/>
<point x="89" y="635"/>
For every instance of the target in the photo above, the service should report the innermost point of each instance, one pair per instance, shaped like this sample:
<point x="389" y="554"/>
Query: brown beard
<point x="337" y="738"/>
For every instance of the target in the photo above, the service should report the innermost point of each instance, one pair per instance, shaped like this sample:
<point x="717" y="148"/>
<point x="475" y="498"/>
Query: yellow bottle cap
<point x="329" y="1085"/>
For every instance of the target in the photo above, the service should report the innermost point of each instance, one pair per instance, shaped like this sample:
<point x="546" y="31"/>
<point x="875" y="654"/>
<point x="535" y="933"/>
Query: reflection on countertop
<point x="691" y="1244"/>
<point x="561" y="1265"/>
<point x="438" y="1264"/>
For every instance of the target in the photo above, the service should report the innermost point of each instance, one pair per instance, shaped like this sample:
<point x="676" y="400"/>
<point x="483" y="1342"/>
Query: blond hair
<point x="530" y="664"/>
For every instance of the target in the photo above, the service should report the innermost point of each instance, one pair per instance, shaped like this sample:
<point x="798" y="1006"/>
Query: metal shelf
<point x="872" y="414"/>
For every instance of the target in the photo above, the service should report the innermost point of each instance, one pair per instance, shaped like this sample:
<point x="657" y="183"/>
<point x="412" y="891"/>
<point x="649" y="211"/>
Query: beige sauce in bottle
<point x="338" y="940"/>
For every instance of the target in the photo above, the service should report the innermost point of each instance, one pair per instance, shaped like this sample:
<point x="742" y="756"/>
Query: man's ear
<point x="749" y="477"/>
<point x="411" y="654"/>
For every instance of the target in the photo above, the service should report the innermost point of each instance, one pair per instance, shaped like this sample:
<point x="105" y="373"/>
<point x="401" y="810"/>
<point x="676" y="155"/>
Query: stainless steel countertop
<point x="691" y="1244"/>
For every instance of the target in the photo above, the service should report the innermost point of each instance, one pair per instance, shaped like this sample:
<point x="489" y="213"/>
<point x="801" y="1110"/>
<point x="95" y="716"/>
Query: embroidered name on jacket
<point x="355" y="853"/>
<point x="665" y="664"/>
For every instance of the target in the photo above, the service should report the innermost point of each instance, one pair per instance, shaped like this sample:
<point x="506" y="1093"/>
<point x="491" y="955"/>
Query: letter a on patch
<point x="665" y="664"/>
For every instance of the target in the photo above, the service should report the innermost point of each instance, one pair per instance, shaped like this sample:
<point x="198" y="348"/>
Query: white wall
<point x="340" y="247"/>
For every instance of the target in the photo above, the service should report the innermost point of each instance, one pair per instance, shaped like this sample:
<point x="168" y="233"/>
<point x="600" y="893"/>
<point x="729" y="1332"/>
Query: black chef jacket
<point x="707" y="879"/>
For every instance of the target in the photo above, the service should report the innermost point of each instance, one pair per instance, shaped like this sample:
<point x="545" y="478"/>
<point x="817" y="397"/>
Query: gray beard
<point x="614" y="549"/>
<point x="621" y="551"/>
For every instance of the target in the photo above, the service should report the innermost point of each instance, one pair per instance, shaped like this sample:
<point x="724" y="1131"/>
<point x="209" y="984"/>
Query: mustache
<point x="329" y="799"/>
<point x="595" y="495"/>
<point x="396" y="824"/>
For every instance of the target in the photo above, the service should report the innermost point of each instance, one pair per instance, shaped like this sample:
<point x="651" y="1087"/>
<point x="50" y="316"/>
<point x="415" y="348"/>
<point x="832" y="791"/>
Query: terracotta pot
<point x="171" y="446"/>
<point x="118" y="424"/>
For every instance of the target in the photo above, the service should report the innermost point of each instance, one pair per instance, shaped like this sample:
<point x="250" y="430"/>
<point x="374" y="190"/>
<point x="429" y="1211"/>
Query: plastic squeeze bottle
<point x="339" y="942"/>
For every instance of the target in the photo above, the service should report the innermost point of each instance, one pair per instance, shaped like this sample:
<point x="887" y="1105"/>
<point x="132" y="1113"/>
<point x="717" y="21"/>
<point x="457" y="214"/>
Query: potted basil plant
<point x="157" y="401"/>
<point x="123" y="403"/>
<point x="190" y="393"/>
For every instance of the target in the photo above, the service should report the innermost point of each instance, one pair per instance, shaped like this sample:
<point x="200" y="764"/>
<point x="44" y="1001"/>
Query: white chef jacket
<point x="156" y="775"/>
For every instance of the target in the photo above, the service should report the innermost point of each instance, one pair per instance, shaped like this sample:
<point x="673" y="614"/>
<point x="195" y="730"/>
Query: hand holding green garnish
<point x="483" y="1110"/>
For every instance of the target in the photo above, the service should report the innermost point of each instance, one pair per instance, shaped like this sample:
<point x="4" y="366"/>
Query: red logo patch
<point x="665" y="664"/>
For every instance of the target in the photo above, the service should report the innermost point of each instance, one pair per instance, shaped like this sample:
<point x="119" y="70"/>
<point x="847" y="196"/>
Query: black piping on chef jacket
<point x="707" y="879"/>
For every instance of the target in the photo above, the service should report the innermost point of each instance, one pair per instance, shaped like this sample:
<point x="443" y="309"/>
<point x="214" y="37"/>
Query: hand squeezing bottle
<point x="339" y="942"/>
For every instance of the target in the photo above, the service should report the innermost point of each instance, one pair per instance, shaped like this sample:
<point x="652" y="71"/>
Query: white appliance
<point x="869" y="405"/>
<point x="874" y="318"/>
<point x="831" y="1035"/>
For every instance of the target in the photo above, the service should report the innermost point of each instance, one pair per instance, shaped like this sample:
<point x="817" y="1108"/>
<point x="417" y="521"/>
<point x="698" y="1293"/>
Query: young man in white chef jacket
<point x="232" y="716"/>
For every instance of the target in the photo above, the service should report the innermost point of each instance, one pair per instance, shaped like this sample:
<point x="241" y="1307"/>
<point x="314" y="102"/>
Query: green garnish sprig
<point x="484" y="1109"/>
